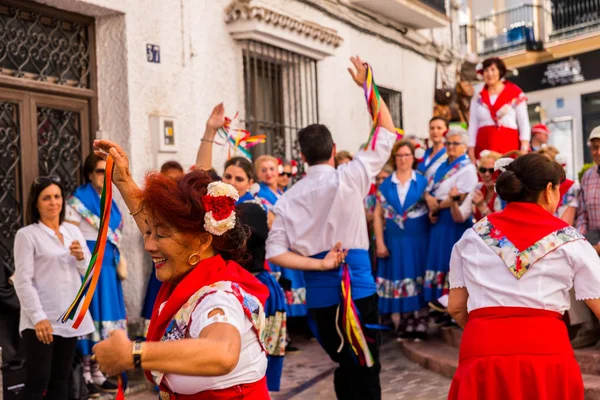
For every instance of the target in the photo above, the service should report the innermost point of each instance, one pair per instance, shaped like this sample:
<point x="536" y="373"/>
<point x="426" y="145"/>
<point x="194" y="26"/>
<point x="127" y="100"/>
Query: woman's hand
<point x="433" y="218"/>
<point x="382" y="250"/>
<point x="453" y="192"/>
<point x="360" y="75"/>
<point x="432" y="202"/>
<point x="334" y="258"/>
<point x="478" y="197"/>
<point x="43" y="331"/>
<point x="121" y="173"/>
<point x="114" y="355"/>
<point x="216" y="120"/>
<point x="76" y="250"/>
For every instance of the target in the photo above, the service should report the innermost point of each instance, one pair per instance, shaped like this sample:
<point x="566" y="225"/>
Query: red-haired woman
<point x="204" y="335"/>
<point x="499" y="119"/>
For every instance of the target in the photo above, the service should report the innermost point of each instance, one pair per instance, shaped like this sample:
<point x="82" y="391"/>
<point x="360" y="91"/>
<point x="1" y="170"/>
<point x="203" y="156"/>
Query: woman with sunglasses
<point x="485" y="198"/>
<point x="286" y="172"/>
<point x="449" y="201"/>
<point x="50" y="259"/>
<point x="107" y="306"/>
<point x="402" y="246"/>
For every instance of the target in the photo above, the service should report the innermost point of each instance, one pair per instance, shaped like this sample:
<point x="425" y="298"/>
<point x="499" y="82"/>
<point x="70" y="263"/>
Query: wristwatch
<point x="137" y="354"/>
<point x="456" y="198"/>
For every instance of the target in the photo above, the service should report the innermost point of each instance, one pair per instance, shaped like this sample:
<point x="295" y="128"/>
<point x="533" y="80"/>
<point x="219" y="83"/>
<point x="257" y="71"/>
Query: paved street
<point x="308" y="374"/>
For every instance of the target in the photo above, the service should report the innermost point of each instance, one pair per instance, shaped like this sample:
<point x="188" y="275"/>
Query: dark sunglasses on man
<point x="484" y="170"/>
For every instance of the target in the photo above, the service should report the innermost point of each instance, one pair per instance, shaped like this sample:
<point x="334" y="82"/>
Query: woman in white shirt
<point x="50" y="257"/>
<point x="509" y="286"/>
<point x="449" y="198"/>
<point x="499" y="119"/>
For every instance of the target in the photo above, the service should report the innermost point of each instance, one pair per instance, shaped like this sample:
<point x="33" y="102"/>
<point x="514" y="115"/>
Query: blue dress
<point x="296" y="293"/>
<point x="443" y="235"/>
<point x="400" y="276"/>
<point x="427" y="167"/>
<point x="107" y="306"/>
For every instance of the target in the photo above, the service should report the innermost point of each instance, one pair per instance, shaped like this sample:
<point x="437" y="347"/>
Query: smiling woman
<point x="204" y="335"/>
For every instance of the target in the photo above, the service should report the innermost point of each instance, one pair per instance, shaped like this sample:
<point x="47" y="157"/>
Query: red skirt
<point x="516" y="353"/>
<point x="496" y="138"/>
<point x="250" y="391"/>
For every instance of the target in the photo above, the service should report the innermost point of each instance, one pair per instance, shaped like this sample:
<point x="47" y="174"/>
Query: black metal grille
<point x="439" y="5"/>
<point x="571" y="17"/>
<point x="280" y="90"/>
<point x="42" y="47"/>
<point x="59" y="145"/>
<point x="393" y="99"/>
<point x="11" y="193"/>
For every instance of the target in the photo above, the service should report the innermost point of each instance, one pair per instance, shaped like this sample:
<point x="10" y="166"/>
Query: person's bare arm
<point x="457" y="306"/>
<point x="214" y="123"/>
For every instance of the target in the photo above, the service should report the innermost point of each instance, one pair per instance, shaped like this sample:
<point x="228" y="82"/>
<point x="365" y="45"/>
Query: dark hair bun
<point x="509" y="187"/>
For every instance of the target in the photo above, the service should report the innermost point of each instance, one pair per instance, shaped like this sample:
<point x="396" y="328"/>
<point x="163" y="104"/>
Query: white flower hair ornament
<point x="502" y="163"/>
<point x="219" y="206"/>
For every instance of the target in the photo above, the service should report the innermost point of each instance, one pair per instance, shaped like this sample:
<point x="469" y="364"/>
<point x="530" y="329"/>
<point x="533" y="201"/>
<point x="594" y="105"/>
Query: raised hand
<point x="478" y="197"/>
<point x="121" y="173"/>
<point x="359" y="73"/>
<point x="216" y="119"/>
<point x="334" y="258"/>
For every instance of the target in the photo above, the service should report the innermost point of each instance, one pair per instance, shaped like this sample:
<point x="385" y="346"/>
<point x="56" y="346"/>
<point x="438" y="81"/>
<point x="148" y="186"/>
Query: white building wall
<point x="200" y="66"/>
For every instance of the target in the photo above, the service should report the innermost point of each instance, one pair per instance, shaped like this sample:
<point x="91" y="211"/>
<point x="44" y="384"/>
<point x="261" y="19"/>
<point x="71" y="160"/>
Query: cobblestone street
<point x="308" y="374"/>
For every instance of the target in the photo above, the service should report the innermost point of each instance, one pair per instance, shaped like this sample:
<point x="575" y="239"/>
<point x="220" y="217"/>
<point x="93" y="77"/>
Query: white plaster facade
<point x="201" y="65"/>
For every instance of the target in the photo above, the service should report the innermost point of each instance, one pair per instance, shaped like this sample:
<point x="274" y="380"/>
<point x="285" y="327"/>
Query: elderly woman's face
<point x="267" y="172"/>
<point x="454" y="146"/>
<point x="491" y="75"/>
<point x="169" y="251"/>
<point x="486" y="170"/>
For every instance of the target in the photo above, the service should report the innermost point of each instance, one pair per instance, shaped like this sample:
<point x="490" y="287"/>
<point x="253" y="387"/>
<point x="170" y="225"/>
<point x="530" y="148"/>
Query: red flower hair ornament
<point x="219" y="206"/>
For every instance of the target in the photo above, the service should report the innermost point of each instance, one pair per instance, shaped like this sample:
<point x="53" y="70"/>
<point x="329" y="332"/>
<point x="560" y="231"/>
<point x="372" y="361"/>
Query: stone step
<point x="442" y="358"/>
<point x="451" y="336"/>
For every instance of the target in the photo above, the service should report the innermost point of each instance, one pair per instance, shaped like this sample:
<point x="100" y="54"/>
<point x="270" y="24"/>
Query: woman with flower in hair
<point x="204" y="339"/>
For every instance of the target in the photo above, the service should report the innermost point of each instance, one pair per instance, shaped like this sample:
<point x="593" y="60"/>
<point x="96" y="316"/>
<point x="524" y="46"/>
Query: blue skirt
<point x="151" y="292"/>
<point x="400" y="276"/>
<point x="296" y="297"/>
<point x="444" y="234"/>
<point x="107" y="306"/>
<point x="275" y="328"/>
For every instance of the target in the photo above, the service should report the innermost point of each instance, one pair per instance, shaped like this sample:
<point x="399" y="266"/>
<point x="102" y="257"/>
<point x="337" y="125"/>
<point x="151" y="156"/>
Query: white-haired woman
<point x="449" y="205"/>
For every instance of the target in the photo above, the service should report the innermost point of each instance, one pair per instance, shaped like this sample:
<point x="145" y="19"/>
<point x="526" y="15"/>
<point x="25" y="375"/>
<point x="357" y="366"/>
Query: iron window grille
<point x="393" y="99"/>
<point x="280" y="89"/>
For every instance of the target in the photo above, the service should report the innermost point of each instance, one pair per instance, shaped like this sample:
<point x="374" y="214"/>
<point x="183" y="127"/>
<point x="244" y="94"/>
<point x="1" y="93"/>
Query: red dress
<point x="496" y="137"/>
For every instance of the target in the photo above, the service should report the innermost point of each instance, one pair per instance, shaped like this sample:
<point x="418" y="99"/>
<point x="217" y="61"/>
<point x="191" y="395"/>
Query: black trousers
<point x="47" y="366"/>
<point x="351" y="380"/>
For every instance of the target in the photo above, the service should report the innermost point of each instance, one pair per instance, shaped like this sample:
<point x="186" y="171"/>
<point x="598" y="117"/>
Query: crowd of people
<point x="384" y="234"/>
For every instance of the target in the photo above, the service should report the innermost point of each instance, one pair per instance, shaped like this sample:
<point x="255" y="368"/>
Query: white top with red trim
<point x="514" y="116"/>
<point x="252" y="364"/>
<point x="476" y="266"/>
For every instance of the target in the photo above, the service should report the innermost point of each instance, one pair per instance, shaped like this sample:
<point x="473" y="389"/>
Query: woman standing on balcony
<point x="499" y="120"/>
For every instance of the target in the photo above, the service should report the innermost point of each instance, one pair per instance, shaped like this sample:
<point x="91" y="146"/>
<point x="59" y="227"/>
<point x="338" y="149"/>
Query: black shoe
<point x="109" y="387"/>
<point x="409" y="329"/>
<point x="93" y="391"/>
<point x="437" y="306"/>
<point x="290" y="348"/>
<point x="421" y="329"/>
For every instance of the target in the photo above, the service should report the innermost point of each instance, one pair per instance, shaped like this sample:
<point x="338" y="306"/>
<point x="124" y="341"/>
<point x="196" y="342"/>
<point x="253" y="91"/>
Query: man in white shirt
<point x="325" y="208"/>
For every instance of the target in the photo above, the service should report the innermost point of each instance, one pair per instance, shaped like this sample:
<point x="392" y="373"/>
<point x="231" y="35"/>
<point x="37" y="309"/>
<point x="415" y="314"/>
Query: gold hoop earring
<point x="196" y="260"/>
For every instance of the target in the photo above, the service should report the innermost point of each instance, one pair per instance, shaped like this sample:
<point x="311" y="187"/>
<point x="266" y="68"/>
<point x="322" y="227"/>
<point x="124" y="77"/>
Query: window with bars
<point x="393" y="99"/>
<point x="280" y="89"/>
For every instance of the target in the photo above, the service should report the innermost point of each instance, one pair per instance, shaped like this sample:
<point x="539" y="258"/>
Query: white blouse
<point x="465" y="181"/>
<point x="403" y="188"/>
<point x="47" y="277"/>
<point x="252" y="364"/>
<point x="514" y="117"/>
<point x="475" y="266"/>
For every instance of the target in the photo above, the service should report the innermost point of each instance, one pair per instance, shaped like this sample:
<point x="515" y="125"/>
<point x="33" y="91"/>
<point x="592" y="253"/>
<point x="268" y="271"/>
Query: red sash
<point x="510" y="94"/>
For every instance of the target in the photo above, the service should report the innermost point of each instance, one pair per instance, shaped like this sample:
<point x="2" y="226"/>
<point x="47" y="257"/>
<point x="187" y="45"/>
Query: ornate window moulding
<point x="249" y="20"/>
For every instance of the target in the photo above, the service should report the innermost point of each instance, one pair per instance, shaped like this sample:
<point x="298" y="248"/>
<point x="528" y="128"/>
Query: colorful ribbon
<point x="374" y="104"/>
<point x="90" y="280"/>
<point x="239" y="139"/>
<point x="351" y="323"/>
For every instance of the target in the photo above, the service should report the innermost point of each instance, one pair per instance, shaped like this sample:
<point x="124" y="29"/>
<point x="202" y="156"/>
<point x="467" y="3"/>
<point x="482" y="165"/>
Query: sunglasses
<point x="288" y="174"/>
<point x="448" y="144"/>
<point x="488" y="170"/>
<point x="99" y="171"/>
<point x="46" y="179"/>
